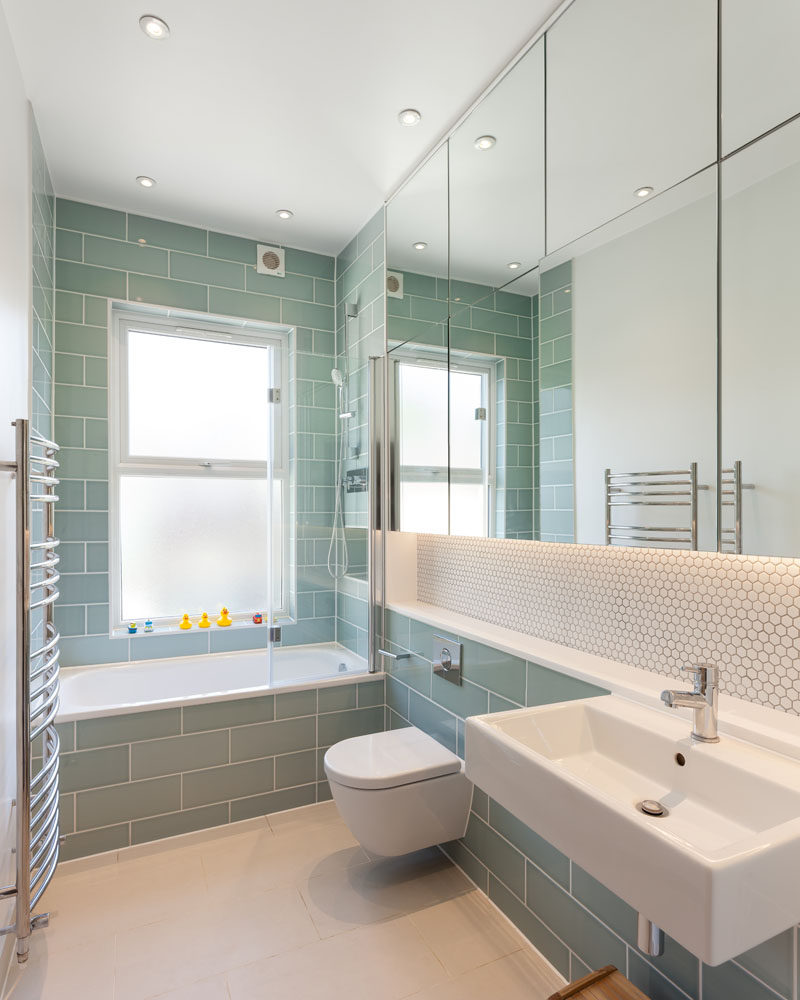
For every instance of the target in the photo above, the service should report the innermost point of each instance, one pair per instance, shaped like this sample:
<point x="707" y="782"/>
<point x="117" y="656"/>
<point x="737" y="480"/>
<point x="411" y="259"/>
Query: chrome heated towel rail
<point x="37" y="681"/>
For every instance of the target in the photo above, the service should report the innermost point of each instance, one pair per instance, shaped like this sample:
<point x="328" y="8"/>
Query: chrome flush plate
<point x="446" y="658"/>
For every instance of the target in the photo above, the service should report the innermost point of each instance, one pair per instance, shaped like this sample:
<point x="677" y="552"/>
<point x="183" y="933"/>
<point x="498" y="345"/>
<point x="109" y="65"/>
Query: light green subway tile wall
<point x="42" y="286"/>
<point x="133" y="778"/>
<point x="556" y="509"/>
<point x="99" y="258"/>
<point x="359" y="283"/>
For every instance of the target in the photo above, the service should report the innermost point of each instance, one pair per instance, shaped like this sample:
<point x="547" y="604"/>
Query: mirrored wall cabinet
<point x="592" y="325"/>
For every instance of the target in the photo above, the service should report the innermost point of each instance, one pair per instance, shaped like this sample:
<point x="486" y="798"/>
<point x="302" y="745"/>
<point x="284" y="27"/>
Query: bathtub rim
<point x="335" y="680"/>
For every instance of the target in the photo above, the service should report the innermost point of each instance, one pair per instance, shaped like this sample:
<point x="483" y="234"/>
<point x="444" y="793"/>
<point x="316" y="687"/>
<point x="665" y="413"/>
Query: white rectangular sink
<point x="719" y="872"/>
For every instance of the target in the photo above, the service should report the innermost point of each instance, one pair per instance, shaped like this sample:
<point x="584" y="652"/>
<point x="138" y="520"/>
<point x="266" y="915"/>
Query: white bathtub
<point x="119" y="688"/>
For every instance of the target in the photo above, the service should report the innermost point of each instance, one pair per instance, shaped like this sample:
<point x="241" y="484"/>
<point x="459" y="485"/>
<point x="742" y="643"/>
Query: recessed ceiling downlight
<point x="643" y="192"/>
<point x="154" y="27"/>
<point x="284" y="213"/>
<point x="485" y="142"/>
<point x="514" y="265"/>
<point x="419" y="246"/>
<point x="145" y="181"/>
<point x="409" y="116"/>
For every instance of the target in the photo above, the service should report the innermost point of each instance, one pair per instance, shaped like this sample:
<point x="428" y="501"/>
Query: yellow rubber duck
<point x="204" y="622"/>
<point x="185" y="623"/>
<point x="224" y="619"/>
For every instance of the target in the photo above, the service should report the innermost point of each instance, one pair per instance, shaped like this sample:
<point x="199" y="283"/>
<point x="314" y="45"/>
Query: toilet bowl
<point x="399" y="791"/>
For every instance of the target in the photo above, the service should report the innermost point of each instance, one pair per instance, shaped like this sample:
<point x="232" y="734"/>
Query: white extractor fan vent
<point x="271" y="260"/>
<point x="394" y="284"/>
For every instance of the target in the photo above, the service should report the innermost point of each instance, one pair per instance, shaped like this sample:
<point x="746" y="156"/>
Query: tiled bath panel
<point x="287" y="907"/>
<point x="651" y="608"/>
<point x="127" y="779"/>
<point x="573" y="920"/>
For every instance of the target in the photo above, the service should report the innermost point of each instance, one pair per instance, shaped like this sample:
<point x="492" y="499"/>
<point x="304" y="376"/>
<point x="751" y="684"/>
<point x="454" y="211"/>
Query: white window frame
<point x="433" y="474"/>
<point x="192" y="327"/>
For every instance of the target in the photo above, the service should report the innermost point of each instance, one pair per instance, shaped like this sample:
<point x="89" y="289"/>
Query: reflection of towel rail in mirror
<point x="731" y="485"/>
<point x="646" y="489"/>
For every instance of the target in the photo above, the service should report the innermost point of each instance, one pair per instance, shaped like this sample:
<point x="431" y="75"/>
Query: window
<point x="192" y="433"/>
<point x="424" y="455"/>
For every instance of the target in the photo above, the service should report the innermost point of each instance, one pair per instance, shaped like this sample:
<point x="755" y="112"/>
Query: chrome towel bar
<point x="38" y="688"/>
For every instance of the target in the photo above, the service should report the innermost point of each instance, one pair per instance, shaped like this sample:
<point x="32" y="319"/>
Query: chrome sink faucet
<point x="703" y="699"/>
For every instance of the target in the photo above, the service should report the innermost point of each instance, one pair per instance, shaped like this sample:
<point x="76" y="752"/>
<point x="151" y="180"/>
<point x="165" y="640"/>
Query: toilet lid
<point x="386" y="760"/>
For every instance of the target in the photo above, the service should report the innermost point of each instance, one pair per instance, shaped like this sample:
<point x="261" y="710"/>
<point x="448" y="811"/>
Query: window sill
<point x="162" y="630"/>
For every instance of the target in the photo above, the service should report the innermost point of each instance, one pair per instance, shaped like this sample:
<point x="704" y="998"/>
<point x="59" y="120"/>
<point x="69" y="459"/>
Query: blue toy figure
<point x="132" y="628"/>
<point x="148" y="626"/>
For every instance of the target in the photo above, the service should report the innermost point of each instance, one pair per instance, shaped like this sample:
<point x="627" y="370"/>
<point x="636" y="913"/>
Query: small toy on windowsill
<point x="185" y="623"/>
<point x="258" y="618"/>
<point x="204" y="622"/>
<point x="132" y="628"/>
<point x="224" y="619"/>
<point x="148" y="626"/>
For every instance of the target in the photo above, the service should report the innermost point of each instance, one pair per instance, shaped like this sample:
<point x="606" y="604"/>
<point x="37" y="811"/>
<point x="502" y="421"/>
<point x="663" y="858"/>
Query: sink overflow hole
<point x="651" y="807"/>
<point x="680" y="760"/>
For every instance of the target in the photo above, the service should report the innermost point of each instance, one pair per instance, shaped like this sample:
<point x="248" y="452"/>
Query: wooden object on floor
<point x="605" y="984"/>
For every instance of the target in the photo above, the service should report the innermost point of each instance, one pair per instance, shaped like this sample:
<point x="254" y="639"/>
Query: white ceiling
<point x="252" y="106"/>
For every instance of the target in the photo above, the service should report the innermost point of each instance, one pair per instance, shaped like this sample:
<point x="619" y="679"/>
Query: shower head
<point x="337" y="378"/>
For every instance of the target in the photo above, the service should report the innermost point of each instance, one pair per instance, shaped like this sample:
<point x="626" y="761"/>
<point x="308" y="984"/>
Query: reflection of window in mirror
<point x="422" y="455"/>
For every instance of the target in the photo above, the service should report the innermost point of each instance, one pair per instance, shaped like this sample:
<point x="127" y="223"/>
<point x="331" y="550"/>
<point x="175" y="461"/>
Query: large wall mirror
<point x="496" y="240"/>
<point x="760" y="348"/>
<point x="760" y="81"/>
<point x="591" y="290"/>
<point x="631" y="105"/>
<point x="640" y="326"/>
<point x="417" y="271"/>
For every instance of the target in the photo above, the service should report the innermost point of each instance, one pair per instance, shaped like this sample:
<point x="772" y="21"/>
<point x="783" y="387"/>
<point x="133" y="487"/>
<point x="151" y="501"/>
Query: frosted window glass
<point x="195" y="545"/>
<point x="197" y="398"/>
<point x="423" y="507"/>
<point x="468" y="515"/>
<point x="466" y="433"/>
<point x="422" y="412"/>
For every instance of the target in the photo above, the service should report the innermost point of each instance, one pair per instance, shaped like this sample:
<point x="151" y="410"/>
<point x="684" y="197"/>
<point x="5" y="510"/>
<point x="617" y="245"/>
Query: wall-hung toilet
<point x="399" y="791"/>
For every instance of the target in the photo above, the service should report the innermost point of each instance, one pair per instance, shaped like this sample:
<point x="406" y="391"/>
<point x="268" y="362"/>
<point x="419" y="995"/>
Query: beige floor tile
<point x="290" y="909"/>
<point x="277" y="860"/>
<point x="215" y="988"/>
<point x="85" y="907"/>
<point x="383" y="962"/>
<point x="466" y="932"/>
<point x="169" y="954"/>
<point x="342" y="900"/>
<point x="77" y="973"/>
<point x="521" y="976"/>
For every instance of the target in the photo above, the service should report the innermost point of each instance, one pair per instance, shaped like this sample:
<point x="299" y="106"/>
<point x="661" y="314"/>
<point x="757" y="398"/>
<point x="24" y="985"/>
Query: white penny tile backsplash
<point x="650" y="608"/>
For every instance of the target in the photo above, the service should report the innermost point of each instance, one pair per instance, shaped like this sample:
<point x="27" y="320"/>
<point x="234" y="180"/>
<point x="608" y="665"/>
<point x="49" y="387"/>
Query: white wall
<point x="15" y="266"/>
<point x="644" y="368"/>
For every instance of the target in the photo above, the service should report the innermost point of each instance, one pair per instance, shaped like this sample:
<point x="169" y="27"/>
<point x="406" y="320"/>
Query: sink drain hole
<point x="652" y="807"/>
